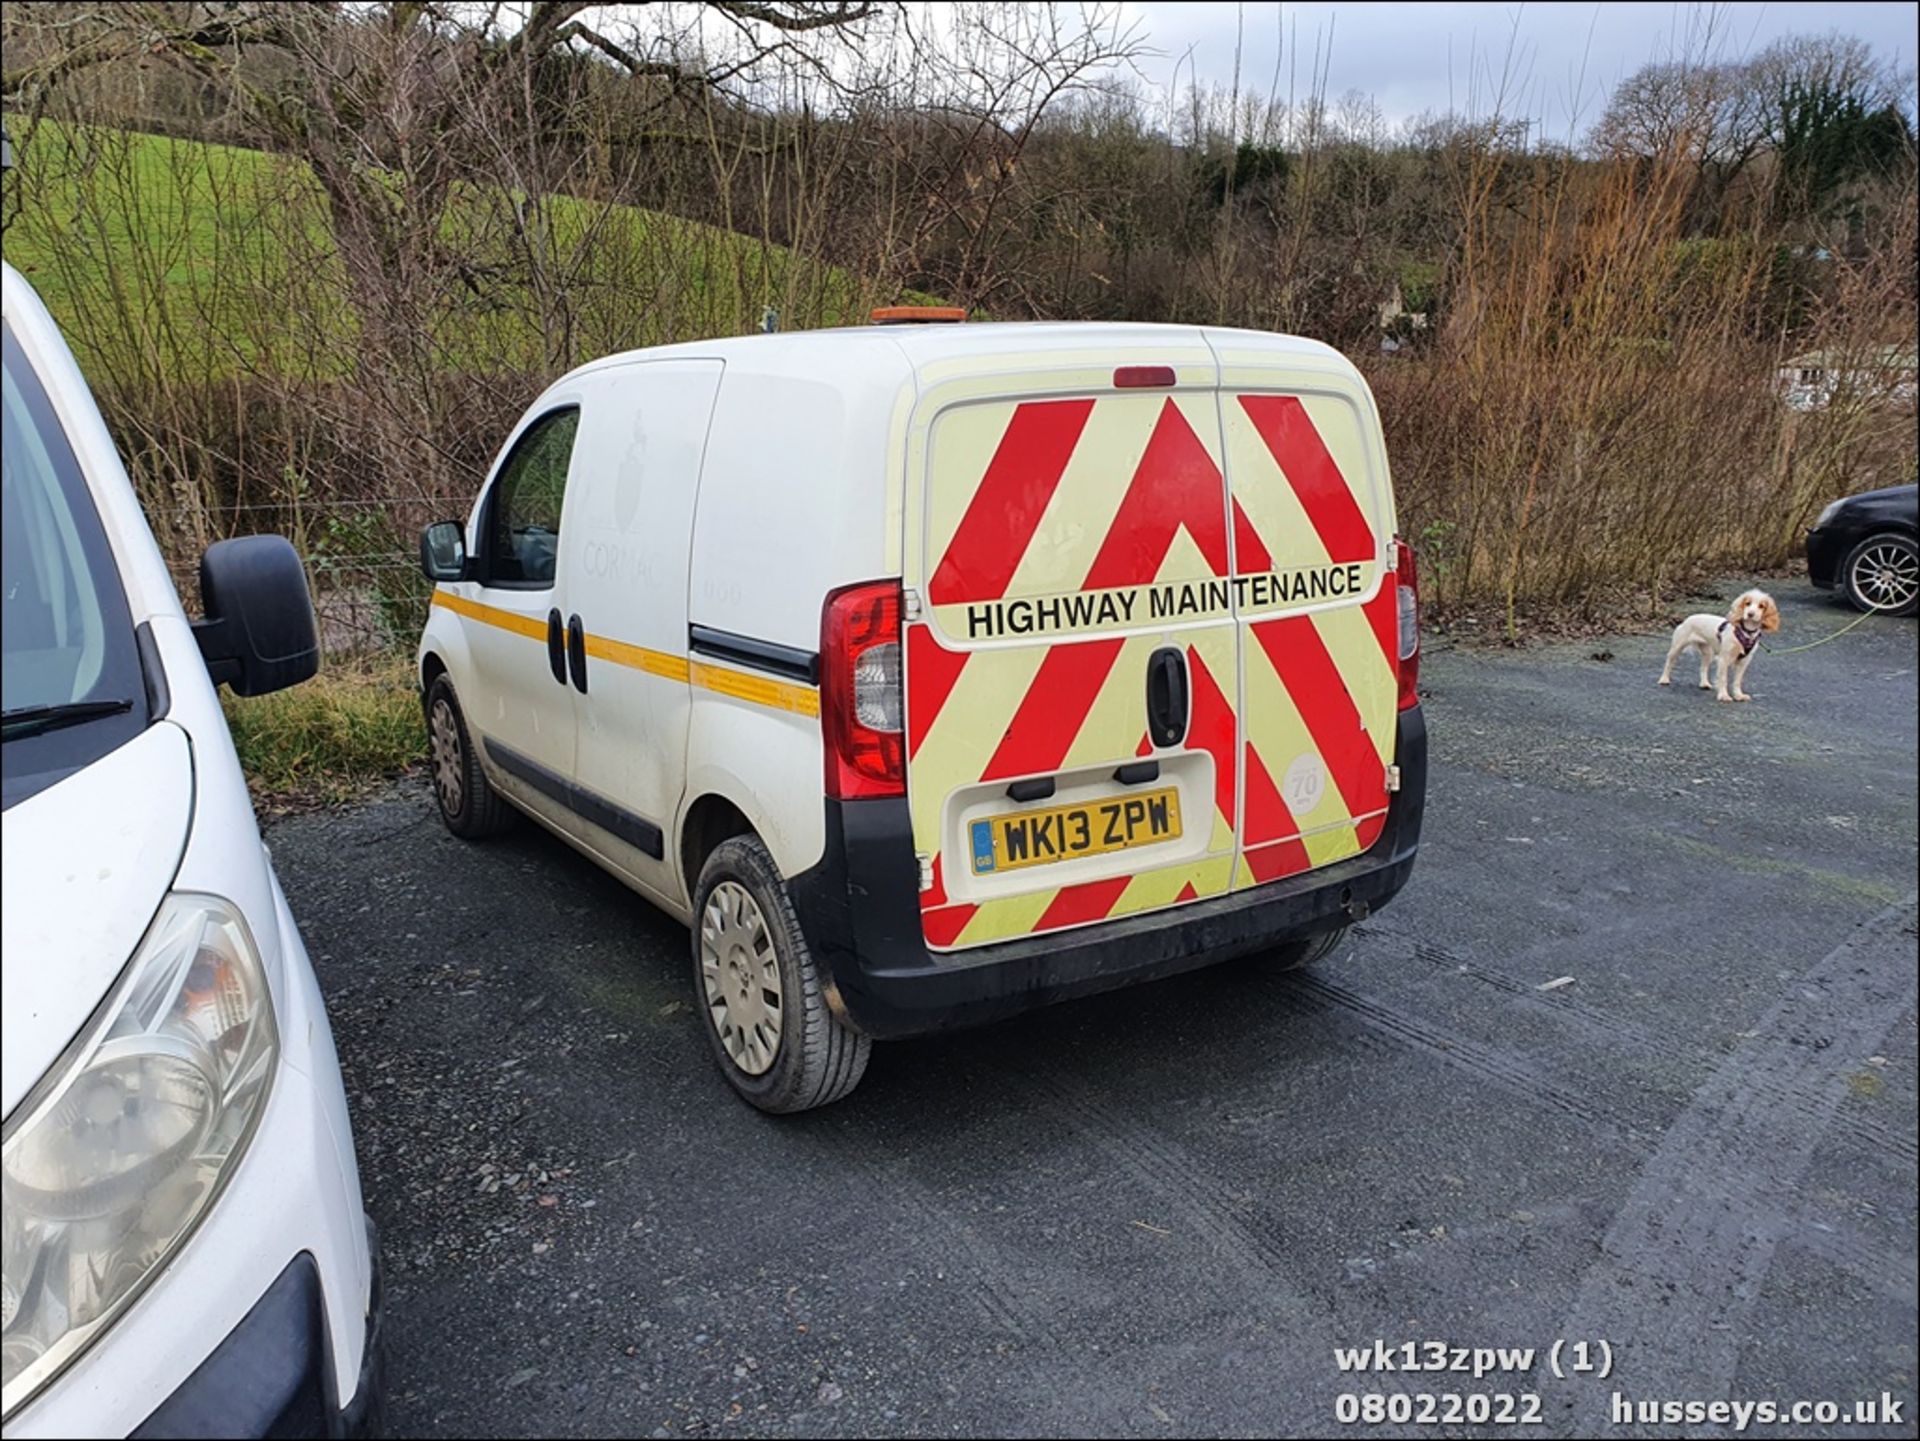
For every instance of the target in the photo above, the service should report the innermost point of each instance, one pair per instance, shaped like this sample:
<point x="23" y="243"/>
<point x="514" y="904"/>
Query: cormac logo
<point x="1171" y="600"/>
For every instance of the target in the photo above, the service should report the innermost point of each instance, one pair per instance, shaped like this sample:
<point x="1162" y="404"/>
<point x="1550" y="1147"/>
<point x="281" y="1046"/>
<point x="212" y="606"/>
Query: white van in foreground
<point x="185" y="1248"/>
<point x="936" y="671"/>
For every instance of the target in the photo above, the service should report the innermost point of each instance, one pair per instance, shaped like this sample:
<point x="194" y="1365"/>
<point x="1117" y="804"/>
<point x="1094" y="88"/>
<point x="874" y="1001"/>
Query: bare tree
<point x="1701" y="112"/>
<point x="395" y="106"/>
<point x="455" y="202"/>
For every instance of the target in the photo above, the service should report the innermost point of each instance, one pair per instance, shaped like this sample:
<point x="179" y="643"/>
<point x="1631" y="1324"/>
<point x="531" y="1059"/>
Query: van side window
<point x="523" y="515"/>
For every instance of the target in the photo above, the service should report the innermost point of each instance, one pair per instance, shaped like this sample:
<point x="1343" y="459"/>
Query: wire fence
<point x="369" y="596"/>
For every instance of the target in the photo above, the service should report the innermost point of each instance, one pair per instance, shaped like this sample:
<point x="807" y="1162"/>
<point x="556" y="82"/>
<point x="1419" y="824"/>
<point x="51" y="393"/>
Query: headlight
<point x="110" y="1169"/>
<point x="1829" y="513"/>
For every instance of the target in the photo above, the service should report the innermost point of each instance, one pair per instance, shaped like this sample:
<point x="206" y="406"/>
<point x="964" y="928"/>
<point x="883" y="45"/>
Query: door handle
<point x="556" y="647"/>
<point x="1167" y="696"/>
<point x="577" y="654"/>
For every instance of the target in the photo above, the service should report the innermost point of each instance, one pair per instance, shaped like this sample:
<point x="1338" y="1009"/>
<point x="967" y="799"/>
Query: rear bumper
<point x="1826" y="552"/>
<point x="860" y="911"/>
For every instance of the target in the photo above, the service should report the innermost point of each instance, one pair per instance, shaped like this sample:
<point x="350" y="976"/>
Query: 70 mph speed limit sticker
<point x="1305" y="783"/>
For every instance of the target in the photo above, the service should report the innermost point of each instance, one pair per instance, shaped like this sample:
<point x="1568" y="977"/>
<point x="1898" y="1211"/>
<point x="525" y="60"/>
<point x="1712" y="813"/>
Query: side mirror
<point x="259" y="634"/>
<point x="443" y="551"/>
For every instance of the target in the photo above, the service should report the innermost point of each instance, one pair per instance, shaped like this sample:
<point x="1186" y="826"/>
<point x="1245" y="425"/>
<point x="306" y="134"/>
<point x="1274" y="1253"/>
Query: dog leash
<point x="1864" y="615"/>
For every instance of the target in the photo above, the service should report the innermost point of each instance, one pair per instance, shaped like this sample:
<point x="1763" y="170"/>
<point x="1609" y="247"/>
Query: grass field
<point x="175" y="259"/>
<point x="159" y="244"/>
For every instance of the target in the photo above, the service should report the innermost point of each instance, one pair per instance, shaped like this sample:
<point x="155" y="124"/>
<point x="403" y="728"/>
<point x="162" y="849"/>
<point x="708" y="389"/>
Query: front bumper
<point x="274" y="1373"/>
<point x="296" y="1194"/>
<point x="860" y="911"/>
<point x="1826" y="552"/>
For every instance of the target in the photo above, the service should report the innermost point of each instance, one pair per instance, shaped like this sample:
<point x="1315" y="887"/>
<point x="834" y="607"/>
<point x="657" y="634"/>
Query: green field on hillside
<point x="175" y="259"/>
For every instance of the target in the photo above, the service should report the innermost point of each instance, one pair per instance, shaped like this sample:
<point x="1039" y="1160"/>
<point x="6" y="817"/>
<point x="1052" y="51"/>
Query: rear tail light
<point x="862" y="705"/>
<point x="1407" y="589"/>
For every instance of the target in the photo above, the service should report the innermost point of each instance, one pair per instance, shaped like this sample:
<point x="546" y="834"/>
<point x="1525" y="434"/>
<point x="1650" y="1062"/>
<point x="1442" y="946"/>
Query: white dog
<point x="1730" y="639"/>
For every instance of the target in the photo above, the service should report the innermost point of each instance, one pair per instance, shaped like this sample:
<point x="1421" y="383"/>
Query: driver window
<point x="523" y="521"/>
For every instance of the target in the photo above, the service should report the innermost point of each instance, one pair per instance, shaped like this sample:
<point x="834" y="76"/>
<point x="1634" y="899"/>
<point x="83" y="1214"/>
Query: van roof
<point x="805" y="351"/>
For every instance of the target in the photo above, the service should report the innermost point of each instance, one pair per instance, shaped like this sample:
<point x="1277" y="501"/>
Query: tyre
<point x="763" y="1007"/>
<point x="471" y="807"/>
<point x="1883" y="573"/>
<point x="1296" y="954"/>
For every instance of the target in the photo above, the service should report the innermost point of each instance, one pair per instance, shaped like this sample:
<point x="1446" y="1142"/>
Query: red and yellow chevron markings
<point x="1084" y="496"/>
<point x="1013" y="495"/>
<point x="1093" y="496"/>
<point x="1296" y="447"/>
<point x="1175" y="488"/>
<point x="1319" y="684"/>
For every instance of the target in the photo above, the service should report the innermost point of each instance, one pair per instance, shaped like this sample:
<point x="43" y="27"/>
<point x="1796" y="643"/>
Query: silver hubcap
<point x="741" y="976"/>
<point x="1887" y="576"/>
<point x="449" y="774"/>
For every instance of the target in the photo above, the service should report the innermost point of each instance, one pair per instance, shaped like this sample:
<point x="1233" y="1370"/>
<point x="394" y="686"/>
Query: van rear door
<point x="1313" y="530"/>
<point x="1071" y="664"/>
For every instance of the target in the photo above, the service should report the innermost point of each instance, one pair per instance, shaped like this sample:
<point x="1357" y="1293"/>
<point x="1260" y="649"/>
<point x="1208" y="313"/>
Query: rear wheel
<point x="1296" y="954"/>
<point x="469" y="804"/>
<point x="1883" y="573"/>
<point x="759" y="992"/>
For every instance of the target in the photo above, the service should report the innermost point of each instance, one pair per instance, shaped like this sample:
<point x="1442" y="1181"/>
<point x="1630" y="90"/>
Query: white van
<point x="936" y="671"/>
<point x="185" y="1248"/>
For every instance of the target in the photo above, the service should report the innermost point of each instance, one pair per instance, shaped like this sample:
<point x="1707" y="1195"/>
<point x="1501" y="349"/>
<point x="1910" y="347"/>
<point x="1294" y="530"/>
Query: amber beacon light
<point x="918" y="315"/>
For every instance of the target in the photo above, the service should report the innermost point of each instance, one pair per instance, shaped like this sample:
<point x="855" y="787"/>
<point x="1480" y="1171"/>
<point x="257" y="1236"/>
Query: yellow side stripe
<point x="759" y="690"/>
<point x="638" y="657"/>
<point x="491" y="615"/>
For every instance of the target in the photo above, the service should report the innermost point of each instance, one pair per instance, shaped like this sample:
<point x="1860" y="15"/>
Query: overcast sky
<point x="1417" y="57"/>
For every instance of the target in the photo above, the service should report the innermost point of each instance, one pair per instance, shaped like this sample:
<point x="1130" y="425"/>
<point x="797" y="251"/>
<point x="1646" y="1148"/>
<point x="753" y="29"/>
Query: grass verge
<point x="350" y="729"/>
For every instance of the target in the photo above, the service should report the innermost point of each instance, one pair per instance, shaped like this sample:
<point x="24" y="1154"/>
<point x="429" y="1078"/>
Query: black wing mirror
<point x="443" y="551"/>
<point x="259" y="634"/>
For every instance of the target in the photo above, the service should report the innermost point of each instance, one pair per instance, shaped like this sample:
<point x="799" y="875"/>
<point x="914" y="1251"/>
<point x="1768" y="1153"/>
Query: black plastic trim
<point x="366" y="1414"/>
<point x="270" y="1376"/>
<point x="1138" y="774"/>
<point x="781" y="660"/>
<point x="637" y="831"/>
<point x="273" y="1374"/>
<point x="860" y="911"/>
<point x="1037" y="789"/>
<point x="159" y="697"/>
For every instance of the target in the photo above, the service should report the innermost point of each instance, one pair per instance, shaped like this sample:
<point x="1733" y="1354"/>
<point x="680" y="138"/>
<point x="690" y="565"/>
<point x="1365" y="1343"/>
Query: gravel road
<point x="1160" y="1212"/>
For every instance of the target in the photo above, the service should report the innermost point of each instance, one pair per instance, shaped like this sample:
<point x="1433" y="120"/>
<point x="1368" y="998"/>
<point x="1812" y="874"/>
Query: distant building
<point x="1397" y="323"/>
<point x="1882" y="375"/>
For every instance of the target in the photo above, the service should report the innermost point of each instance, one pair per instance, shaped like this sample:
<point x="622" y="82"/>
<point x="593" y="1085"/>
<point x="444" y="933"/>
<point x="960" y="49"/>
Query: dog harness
<point x="1748" y="638"/>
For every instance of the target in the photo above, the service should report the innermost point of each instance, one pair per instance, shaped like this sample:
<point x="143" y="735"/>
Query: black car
<point x="1866" y="546"/>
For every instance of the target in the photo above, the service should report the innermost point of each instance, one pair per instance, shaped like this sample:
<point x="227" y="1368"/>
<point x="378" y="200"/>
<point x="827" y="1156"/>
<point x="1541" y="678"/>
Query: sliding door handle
<point x="577" y="654"/>
<point x="556" y="647"/>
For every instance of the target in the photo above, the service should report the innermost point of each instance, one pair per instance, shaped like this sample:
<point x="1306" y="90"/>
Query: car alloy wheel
<point x="1886" y="575"/>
